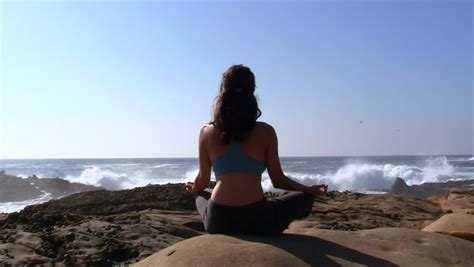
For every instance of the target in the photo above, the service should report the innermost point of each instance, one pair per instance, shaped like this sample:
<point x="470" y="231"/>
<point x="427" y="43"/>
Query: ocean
<point x="362" y="174"/>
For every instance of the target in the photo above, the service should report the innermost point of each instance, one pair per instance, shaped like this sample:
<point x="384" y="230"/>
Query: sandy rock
<point x="456" y="201"/>
<point x="16" y="255"/>
<point x="455" y="224"/>
<point x="221" y="250"/>
<point x="355" y="211"/>
<point x="376" y="247"/>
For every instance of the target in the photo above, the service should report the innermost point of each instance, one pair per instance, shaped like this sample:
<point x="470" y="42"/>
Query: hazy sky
<point x="137" y="79"/>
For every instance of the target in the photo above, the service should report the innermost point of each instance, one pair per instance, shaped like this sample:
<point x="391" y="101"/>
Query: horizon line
<point x="330" y="156"/>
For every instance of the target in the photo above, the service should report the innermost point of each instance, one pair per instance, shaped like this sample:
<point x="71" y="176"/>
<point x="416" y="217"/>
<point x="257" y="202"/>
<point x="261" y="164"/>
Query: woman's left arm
<point x="203" y="177"/>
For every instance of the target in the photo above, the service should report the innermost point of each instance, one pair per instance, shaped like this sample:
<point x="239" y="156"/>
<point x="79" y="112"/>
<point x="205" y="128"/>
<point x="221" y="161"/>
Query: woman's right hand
<point x="190" y="187"/>
<point x="318" y="190"/>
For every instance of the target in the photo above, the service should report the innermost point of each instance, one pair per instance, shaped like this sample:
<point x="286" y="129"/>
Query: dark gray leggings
<point x="265" y="217"/>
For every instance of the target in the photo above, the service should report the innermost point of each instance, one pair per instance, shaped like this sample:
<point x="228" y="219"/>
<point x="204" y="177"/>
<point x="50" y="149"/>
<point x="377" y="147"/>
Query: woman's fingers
<point x="189" y="187"/>
<point x="319" y="189"/>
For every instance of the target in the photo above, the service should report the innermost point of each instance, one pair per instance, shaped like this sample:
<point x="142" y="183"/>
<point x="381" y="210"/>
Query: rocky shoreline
<point x="103" y="228"/>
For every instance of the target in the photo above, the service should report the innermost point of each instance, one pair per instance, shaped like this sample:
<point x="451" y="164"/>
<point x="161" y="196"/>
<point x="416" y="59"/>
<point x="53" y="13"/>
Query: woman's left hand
<point x="316" y="189"/>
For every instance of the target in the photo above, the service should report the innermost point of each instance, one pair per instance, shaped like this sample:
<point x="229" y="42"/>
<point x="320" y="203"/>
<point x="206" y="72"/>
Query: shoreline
<point x="354" y="174"/>
<point x="41" y="190"/>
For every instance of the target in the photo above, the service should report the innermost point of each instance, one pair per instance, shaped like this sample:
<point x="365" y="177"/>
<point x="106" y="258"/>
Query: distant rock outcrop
<point x="14" y="188"/>
<point x="399" y="186"/>
<point x="427" y="189"/>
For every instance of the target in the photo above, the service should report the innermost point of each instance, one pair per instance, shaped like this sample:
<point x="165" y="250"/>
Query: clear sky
<point x="138" y="78"/>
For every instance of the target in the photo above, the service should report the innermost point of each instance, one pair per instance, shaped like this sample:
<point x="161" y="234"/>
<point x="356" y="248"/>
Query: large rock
<point x="14" y="188"/>
<point x="103" y="202"/>
<point x="376" y="247"/>
<point x="399" y="186"/>
<point x="455" y="224"/>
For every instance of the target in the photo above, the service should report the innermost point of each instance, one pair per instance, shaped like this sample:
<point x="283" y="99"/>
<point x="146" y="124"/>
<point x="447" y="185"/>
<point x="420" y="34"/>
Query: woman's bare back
<point x="238" y="189"/>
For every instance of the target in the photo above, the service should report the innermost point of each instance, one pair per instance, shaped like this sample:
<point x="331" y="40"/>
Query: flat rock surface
<point x="356" y="211"/>
<point x="455" y="224"/>
<point x="312" y="247"/>
<point x="456" y="201"/>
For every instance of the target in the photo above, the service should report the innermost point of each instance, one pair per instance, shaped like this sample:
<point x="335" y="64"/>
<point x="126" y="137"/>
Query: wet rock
<point x="14" y="188"/>
<point x="427" y="189"/>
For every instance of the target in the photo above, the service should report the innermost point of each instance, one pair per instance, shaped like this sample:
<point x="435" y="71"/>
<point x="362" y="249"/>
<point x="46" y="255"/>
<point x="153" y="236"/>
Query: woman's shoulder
<point x="263" y="126"/>
<point x="208" y="130"/>
<point x="264" y="130"/>
<point x="207" y="127"/>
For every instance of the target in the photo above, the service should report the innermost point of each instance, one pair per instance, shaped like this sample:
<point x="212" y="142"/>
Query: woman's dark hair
<point x="235" y="108"/>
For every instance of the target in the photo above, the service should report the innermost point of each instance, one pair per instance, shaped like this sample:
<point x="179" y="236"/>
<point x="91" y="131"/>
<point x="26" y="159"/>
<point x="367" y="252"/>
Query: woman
<point x="239" y="149"/>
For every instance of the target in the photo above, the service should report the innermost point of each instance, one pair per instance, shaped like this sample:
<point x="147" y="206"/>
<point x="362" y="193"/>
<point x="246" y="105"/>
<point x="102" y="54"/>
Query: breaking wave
<point x="105" y="178"/>
<point x="354" y="176"/>
<point x="165" y="165"/>
<point x="364" y="176"/>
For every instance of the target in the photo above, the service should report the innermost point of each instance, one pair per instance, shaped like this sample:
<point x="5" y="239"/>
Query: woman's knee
<point x="310" y="198"/>
<point x="206" y="194"/>
<point x="308" y="202"/>
<point x="307" y="199"/>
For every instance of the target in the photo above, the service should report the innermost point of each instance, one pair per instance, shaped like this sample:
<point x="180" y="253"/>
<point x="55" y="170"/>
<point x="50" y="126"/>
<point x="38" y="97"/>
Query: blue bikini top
<point x="236" y="160"/>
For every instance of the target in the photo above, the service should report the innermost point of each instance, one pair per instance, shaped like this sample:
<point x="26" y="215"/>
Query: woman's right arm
<point x="278" y="178"/>
<point x="203" y="177"/>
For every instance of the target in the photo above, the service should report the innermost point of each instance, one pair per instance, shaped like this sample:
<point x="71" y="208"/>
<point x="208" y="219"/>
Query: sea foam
<point x="352" y="176"/>
<point x="364" y="176"/>
<point x="108" y="179"/>
<point x="8" y="207"/>
<point x="355" y="176"/>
